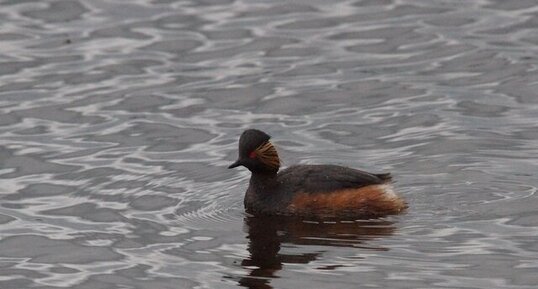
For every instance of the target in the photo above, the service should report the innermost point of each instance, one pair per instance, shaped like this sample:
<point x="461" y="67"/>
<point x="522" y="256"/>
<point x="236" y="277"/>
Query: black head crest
<point x="256" y="152"/>
<point x="250" y="140"/>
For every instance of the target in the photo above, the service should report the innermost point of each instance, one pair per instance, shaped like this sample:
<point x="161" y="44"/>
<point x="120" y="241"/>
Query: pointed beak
<point x="236" y="164"/>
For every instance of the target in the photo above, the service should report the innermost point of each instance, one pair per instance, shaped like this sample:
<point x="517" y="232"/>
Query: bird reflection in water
<point x="267" y="234"/>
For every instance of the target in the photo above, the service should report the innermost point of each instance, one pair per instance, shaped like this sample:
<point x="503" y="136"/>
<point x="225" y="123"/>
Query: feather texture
<point x="267" y="154"/>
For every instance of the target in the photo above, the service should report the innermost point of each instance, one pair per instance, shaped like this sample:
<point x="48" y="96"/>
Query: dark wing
<point x="327" y="178"/>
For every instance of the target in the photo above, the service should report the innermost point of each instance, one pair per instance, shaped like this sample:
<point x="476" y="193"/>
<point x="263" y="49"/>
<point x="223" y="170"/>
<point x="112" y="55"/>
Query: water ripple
<point x="118" y="120"/>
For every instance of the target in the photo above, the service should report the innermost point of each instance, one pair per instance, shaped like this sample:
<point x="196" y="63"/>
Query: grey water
<point x="118" y="120"/>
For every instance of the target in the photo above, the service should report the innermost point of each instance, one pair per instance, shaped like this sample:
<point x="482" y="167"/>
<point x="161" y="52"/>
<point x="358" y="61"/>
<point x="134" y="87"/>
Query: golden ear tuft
<point x="267" y="154"/>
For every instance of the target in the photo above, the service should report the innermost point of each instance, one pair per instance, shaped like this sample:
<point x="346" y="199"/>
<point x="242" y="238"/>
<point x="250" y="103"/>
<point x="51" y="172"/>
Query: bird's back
<point x="327" y="178"/>
<point x="336" y="191"/>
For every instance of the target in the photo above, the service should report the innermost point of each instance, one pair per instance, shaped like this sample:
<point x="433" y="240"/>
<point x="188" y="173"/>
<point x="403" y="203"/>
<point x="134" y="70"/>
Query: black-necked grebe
<point x="311" y="190"/>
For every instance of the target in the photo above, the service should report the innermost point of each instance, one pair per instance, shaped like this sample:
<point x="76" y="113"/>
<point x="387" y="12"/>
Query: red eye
<point x="252" y="155"/>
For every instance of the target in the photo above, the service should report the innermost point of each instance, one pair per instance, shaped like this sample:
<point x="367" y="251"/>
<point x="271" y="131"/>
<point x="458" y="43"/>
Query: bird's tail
<point x="385" y="177"/>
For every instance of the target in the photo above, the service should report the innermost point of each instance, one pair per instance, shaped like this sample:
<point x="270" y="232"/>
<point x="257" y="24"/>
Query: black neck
<point x="263" y="193"/>
<point x="263" y="182"/>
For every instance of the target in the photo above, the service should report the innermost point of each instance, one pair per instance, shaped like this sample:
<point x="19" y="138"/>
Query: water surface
<point x="118" y="120"/>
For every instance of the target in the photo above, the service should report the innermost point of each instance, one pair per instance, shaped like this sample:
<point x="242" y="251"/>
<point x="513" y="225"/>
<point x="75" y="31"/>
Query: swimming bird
<point x="318" y="191"/>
